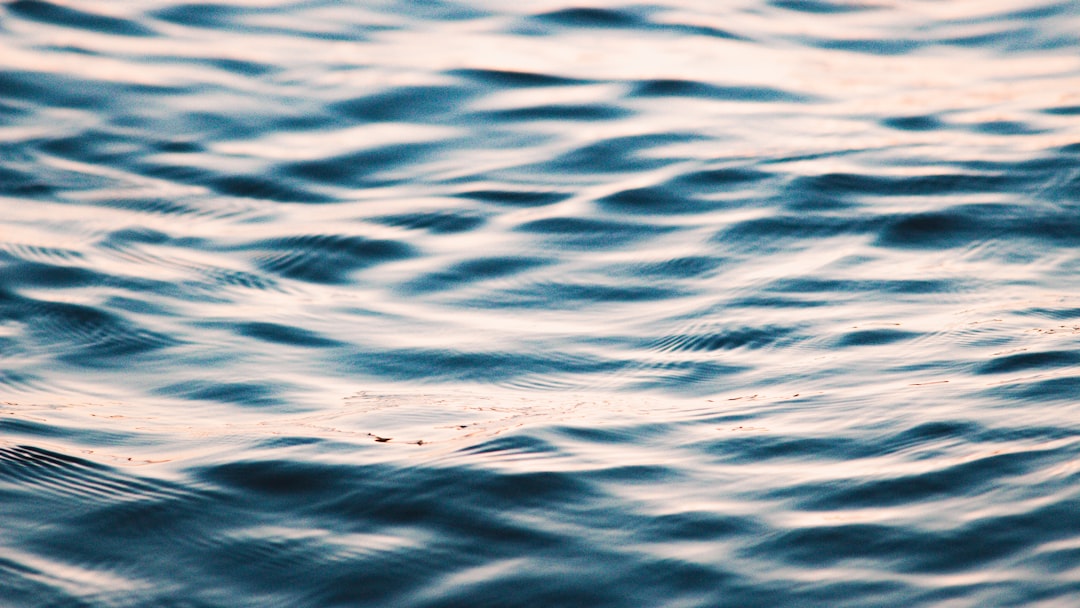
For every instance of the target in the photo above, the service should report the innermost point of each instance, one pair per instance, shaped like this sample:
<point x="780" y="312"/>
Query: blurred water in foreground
<point x="693" y="303"/>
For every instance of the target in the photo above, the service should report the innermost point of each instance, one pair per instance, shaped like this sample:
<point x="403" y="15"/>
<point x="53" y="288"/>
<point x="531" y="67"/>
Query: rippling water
<point x="392" y="303"/>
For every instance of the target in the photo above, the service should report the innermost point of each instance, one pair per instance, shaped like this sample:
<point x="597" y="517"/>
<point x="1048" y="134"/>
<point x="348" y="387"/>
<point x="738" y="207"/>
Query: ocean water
<point x="754" y="303"/>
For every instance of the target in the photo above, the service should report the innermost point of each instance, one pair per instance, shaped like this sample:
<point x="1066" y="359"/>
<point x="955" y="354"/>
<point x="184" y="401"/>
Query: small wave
<point x="324" y="258"/>
<point x="58" y="14"/>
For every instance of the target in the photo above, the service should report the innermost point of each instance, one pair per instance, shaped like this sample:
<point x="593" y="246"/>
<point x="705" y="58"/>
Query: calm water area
<point x="684" y="303"/>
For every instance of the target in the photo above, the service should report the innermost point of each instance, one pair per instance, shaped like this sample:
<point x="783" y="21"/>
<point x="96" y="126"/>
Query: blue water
<point x="492" y="304"/>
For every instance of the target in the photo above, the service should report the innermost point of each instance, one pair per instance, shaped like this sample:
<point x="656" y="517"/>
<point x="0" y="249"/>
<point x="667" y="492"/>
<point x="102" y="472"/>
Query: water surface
<point x="753" y="303"/>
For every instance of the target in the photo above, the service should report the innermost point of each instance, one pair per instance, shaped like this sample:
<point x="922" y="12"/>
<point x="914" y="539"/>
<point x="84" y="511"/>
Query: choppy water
<point x="430" y="304"/>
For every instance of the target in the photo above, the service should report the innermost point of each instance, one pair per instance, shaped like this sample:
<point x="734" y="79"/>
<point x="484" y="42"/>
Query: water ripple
<point x="768" y="303"/>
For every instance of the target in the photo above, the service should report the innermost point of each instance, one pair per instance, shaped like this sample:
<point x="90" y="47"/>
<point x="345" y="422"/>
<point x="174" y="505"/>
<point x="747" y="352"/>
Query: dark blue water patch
<point x="1057" y="561"/>
<point x="690" y="88"/>
<point x="829" y="545"/>
<point x="720" y="179"/>
<point x="117" y="239"/>
<point x="970" y="478"/>
<point x="955" y="227"/>
<point x="512" y="444"/>
<point x="553" y="295"/>
<point x="815" y="205"/>
<point x="935" y="229"/>
<point x="259" y="187"/>
<point x="55" y="475"/>
<point x="1045" y="10"/>
<point x="219" y="124"/>
<point x="49" y="89"/>
<point x="54" y="179"/>
<point x="775" y="301"/>
<point x="591" y="18"/>
<point x="869" y="46"/>
<point x="473" y="270"/>
<point x="611" y="435"/>
<point x="433" y="10"/>
<point x="923" y="551"/>
<point x="1040" y="390"/>
<point x="263" y="393"/>
<point x="366" y="497"/>
<point x="841" y="286"/>
<point x="688" y="267"/>
<point x="264" y="188"/>
<point x="601" y="18"/>
<point x="282" y="479"/>
<point x="324" y="258"/>
<point x="12" y="109"/>
<point x="241" y="67"/>
<point x="154" y="206"/>
<point x="514" y="79"/>
<point x="83" y="335"/>
<point x="711" y="341"/>
<point x="244" y="68"/>
<point x="363" y="168"/>
<point x="931" y="437"/>
<point x="561" y="582"/>
<point x="775" y="232"/>
<point x="1011" y="40"/>
<point x="574" y="231"/>
<point x="874" y="337"/>
<point x="217" y="278"/>
<point x="516" y="198"/>
<point x="435" y="222"/>
<point x="11" y="427"/>
<point x="686" y="377"/>
<point x="992" y="539"/>
<point x="845" y="184"/>
<point x="17" y="381"/>
<point x="434" y="104"/>
<point x="1066" y="195"/>
<point x="563" y="112"/>
<point x="1005" y="127"/>
<point x="58" y="90"/>
<point x="1029" y="361"/>
<point x="1063" y="111"/>
<point x="273" y="562"/>
<point x="1069" y="149"/>
<point x="821" y="7"/>
<point x="696" y="526"/>
<point x="139" y="306"/>
<point x="914" y="123"/>
<point x="25" y="273"/>
<point x="1032" y="169"/>
<point x="685" y="29"/>
<point x="559" y="295"/>
<point x="65" y="16"/>
<point x="97" y="146"/>
<point x="23" y="184"/>
<point x="179" y="146"/>
<point x="758" y="447"/>
<point x="284" y="334"/>
<point x="233" y="19"/>
<point x="612" y="155"/>
<point x="654" y="201"/>
<point x="25" y="585"/>
<point x="1058" y="314"/>
<point x="471" y="366"/>
<point x="211" y="16"/>
<point x="929" y="440"/>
